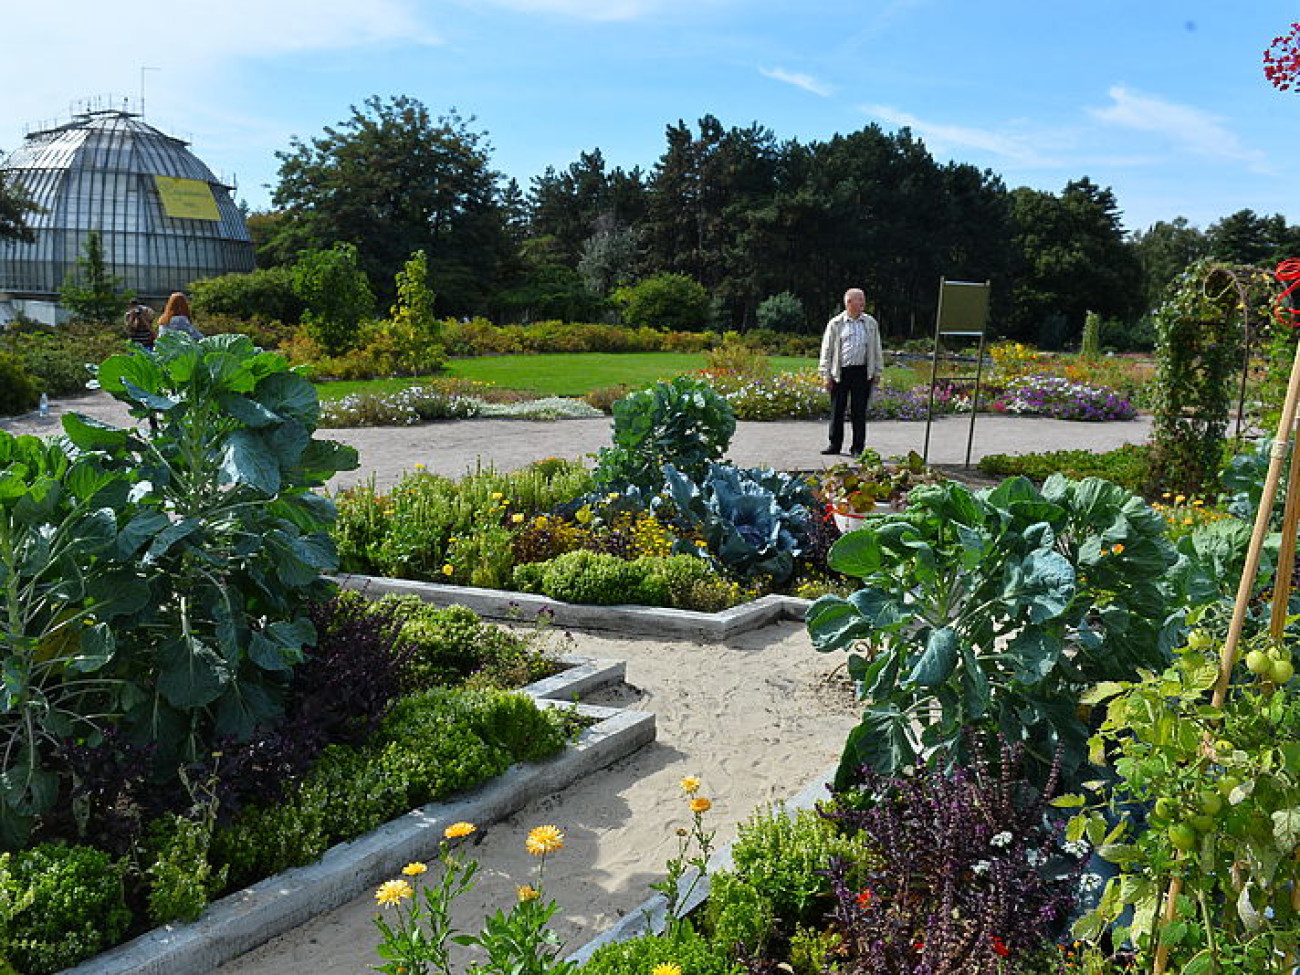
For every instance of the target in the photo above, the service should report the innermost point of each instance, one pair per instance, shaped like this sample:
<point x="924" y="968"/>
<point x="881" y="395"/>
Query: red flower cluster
<point x="1282" y="60"/>
<point x="1000" y="947"/>
<point x="864" y="898"/>
<point x="1288" y="272"/>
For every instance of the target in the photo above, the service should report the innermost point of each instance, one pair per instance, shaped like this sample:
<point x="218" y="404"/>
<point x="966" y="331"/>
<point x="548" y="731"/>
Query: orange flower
<point x="543" y="840"/>
<point x="701" y="805"/>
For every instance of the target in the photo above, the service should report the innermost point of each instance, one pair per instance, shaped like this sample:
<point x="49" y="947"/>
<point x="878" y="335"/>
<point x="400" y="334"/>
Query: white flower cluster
<point x="547" y="408"/>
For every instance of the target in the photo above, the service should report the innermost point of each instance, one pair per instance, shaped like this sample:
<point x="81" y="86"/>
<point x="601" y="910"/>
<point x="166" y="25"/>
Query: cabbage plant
<point x="996" y="609"/>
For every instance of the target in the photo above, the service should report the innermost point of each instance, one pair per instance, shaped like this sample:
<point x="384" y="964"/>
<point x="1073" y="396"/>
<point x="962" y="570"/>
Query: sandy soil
<point x="756" y="719"/>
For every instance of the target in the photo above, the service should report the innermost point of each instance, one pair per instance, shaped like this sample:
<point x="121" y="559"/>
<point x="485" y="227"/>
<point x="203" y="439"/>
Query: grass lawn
<point x="559" y="375"/>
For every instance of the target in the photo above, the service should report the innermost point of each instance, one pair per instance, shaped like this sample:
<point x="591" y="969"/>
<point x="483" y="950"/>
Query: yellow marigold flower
<point x="1187" y="521"/>
<point x="448" y="569"/>
<point x="527" y="892"/>
<point x="1117" y="549"/>
<point x="393" y="892"/>
<point x="691" y="785"/>
<point x="517" y="517"/>
<point x="1167" y="494"/>
<point x="543" y="840"/>
<point x="1179" y="499"/>
<point x="1197" y="503"/>
<point x="457" y="830"/>
<point x="667" y="968"/>
<point x="497" y="495"/>
<point x="701" y="805"/>
<point x="415" y="869"/>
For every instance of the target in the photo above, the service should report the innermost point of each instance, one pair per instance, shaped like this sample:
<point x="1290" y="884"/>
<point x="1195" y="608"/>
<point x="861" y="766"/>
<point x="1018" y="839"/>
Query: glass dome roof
<point x="164" y="219"/>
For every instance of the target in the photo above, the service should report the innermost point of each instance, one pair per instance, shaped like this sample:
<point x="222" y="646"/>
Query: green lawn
<point x="560" y="375"/>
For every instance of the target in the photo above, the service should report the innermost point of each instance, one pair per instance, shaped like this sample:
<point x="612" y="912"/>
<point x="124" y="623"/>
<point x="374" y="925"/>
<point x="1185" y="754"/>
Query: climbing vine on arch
<point x="1202" y="330"/>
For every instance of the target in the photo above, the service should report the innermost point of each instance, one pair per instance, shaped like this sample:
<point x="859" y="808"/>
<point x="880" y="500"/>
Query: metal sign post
<point x="963" y="314"/>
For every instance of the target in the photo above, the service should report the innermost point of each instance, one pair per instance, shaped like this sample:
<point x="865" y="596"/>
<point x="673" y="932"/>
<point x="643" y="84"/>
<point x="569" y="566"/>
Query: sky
<point x="1164" y="103"/>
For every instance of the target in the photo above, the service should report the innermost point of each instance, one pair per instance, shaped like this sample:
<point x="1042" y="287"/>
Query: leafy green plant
<point x="1206" y="794"/>
<point x="336" y="293"/>
<point x="994" y="609"/>
<point x="681" y="948"/>
<point x="70" y="906"/>
<point x="18" y="392"/>
<point x="1198" y="352"/>
<point x="683" y="423"/>
<point x="1125" y="466"/>
<point x="859" y="486"/>
<point x="67" y="529"/>
<point x="754" y="521"/>
<point x="231" y="539"/>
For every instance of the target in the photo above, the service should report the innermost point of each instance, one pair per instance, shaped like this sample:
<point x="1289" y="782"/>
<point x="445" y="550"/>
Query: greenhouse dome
<point x="164" y="219"/>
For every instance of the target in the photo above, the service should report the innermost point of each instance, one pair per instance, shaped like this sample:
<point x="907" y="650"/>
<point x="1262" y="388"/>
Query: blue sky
<point x="1166" y="103"/>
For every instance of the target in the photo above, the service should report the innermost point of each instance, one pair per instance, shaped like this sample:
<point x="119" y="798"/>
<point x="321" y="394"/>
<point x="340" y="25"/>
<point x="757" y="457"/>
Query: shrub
<point x="787" y="858"/>
<point x="738" y="359"/>
<point x="781" y="313"/>
<point x="181" y="880"/>
<point x="336" y="294"/>
<point x="264" y="294"/>
<point x="1125" y="466"/>
<point x="76" y="908"/>
<point x="443" y="647"/>
<point x="430" y="746"/>
<point x="680" y="946"/>
<point x="18" y="394"/>
<point x="603" y="398"/>
<point x="592" y="578"/>
<point x="60" y="361"/>
<point x="665" y="301"/>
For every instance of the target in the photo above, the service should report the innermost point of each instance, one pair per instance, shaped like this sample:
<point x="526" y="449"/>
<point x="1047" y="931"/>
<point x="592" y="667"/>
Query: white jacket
<point x="829" y="365"/>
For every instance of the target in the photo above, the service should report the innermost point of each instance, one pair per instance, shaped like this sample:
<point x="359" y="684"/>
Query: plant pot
<point x="848" y="520"/>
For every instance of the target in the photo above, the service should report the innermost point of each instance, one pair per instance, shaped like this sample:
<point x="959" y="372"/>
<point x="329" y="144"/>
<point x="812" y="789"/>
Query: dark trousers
<point x="850" y="396"/>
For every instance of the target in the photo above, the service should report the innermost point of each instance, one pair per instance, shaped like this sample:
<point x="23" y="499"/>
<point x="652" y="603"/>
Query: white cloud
<point x="610" y="10"/>
<point x="804" y="81"/>
<point x="942" y="139"/>
<point x="1188" y="127"/>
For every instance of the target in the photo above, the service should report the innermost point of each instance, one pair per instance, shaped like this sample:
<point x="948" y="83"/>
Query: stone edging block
<point x="247" y="918"/>
<point x="659" y="622"/>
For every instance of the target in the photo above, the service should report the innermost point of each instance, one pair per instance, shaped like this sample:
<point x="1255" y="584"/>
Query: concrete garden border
<point x="247" y="918"/>
<point x="658" y="622"/>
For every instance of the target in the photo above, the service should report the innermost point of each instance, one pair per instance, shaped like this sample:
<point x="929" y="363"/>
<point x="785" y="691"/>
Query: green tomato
<point x="1182" y="836"/>
<point x="1166" y="808"/>
<point x="1258" y="663"/>
<point x="1201" y="822"/>
<point x="1227" y="784"/>
<point x="1211" y="803"/>
<point x="1282" y="671"/>
<point x="1199" y="639"/>
<point x="1223" y="747"/>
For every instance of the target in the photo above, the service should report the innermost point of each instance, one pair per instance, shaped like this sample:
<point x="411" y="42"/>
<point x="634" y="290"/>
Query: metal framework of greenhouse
<point x="108" y="170"/>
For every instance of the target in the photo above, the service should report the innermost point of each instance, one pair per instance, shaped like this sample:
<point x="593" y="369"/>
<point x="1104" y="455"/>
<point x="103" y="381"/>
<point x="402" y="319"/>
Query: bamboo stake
<point x="1286" y="551"/>
<point x="1249" y="572"/>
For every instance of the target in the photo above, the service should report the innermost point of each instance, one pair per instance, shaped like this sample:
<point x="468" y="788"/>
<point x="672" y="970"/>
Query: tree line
<point x="745" y="215"/>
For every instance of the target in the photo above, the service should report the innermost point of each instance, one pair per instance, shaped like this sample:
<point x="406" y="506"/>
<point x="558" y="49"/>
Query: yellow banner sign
<point x="189" y="199"/>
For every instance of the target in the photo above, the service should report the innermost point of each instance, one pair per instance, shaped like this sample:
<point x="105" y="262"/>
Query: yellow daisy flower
<point x="667" y="968"/>
<point x="701" y="805"/>
<point x="691" y="785"/>
<point x="527" y="892"/>
<point x="517" y="517"/>
<point x="415" y="869"/>
<point x="393" y="892"/>
<point x="448" y="569"/>
<point x="543" y="840"/>
<point x="457" y="830"/>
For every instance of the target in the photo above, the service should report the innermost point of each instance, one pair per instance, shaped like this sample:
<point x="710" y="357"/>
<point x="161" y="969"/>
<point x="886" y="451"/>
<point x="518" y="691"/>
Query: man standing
<point x="139" y="324"/>
<point x="851" y="363"/>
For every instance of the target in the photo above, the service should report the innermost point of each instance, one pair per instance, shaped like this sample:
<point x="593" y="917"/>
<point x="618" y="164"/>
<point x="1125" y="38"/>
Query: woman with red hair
<point x="176" y="318"/>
